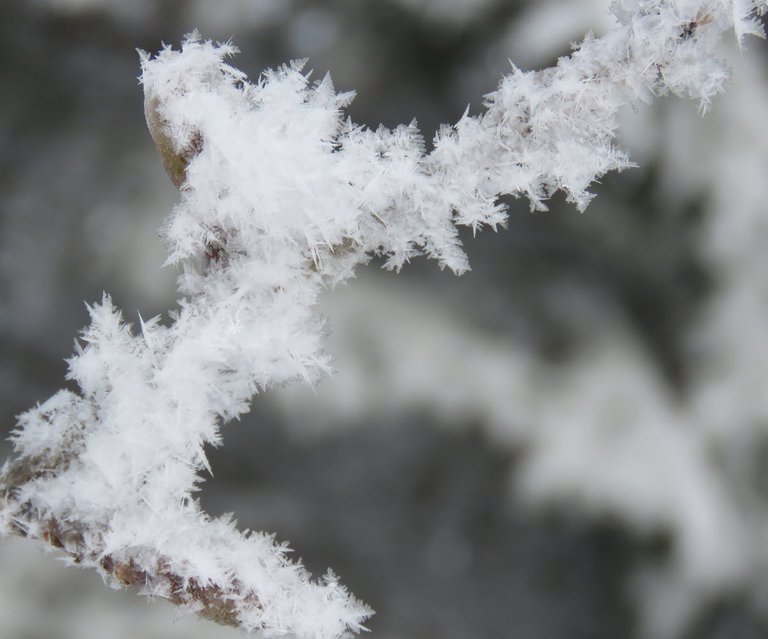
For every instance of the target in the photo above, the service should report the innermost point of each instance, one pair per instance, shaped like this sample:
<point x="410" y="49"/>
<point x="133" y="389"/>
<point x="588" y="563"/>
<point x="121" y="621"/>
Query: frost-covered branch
<point x="282" y="197"/>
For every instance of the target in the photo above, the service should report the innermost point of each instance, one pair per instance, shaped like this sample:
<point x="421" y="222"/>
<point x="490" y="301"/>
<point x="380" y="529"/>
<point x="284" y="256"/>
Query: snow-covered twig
<point x="282" y="197"/>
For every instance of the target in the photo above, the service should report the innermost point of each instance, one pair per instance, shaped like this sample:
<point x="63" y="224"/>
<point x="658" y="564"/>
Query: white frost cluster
<point x="281" y="197"/>
<point x="601" y="435"/>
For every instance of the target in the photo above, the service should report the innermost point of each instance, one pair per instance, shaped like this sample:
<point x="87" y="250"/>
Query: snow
<point x="282" y="197"/>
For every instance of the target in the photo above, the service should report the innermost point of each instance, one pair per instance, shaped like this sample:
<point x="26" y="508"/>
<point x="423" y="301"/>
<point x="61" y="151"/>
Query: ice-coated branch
<point x="281" y="197"/>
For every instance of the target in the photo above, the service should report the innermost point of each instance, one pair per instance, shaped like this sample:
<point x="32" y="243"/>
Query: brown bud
<point x="175" y="162"/>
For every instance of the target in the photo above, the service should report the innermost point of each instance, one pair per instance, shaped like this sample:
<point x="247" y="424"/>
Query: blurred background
<point x="570" y="441"/>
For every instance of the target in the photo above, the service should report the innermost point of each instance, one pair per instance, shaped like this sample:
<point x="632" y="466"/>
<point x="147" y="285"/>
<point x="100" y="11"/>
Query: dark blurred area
<point x="448" y="515"/>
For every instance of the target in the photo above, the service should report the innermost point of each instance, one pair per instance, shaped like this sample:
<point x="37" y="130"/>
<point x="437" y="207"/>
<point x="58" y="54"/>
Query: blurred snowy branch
<point x="281" y="197"/>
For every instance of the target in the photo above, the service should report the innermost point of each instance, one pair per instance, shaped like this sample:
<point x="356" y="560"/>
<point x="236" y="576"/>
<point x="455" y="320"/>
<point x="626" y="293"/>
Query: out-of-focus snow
<point x="603" y="435"/>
